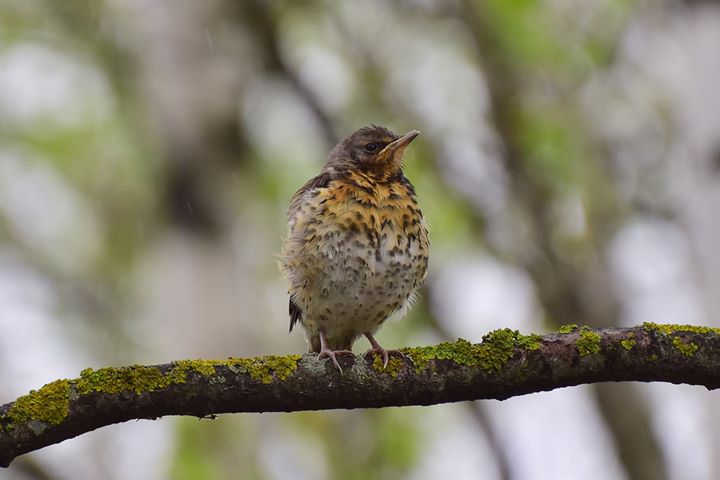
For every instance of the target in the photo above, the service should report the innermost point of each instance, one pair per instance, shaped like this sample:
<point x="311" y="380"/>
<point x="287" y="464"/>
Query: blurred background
<point x="569" y="167"/>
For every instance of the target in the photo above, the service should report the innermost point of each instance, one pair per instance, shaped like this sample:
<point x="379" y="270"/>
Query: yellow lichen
<point x="568" y="328"/>
<point x="135" y="378"/>
<point x="589" y="342"/>
<point x="203" y="367"/>
<point x="493" y="353"/>
<point x="265" y="369"/>
<point x="686" y="348"/>
<point x="529" y="342"/>
<point x="392" y="368"/>
<point x="139" y="379"/>
<point x="50" y="404"/>
<point x="669" y="329"/>
<point x="629" y="342"/>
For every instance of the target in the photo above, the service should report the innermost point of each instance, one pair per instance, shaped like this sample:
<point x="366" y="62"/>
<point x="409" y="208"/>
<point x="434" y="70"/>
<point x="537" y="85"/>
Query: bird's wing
<point x="295" y="312"/>
<point x="296" y="204"/>
<point x="321" y="181"/>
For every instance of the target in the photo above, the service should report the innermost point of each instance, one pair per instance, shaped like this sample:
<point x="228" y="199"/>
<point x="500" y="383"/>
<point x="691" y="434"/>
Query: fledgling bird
<point x="357" y="245"/>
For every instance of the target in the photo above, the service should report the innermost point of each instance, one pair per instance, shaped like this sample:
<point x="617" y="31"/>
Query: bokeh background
<point x="569" y="167"/>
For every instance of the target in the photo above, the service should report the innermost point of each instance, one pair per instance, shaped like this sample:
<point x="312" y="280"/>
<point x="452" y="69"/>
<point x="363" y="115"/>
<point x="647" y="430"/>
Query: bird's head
<point x="372" y="149"/>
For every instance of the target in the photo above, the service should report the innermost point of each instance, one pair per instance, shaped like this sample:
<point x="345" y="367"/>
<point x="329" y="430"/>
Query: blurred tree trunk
<point x="565" y="289"/>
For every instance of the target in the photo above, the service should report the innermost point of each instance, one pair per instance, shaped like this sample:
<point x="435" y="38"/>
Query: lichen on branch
<point x="505" y="364"/>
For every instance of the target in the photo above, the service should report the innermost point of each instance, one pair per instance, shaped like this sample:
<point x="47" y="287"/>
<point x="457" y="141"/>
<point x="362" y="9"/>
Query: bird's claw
<point x="384" y="353"/>
<point x="332" y="355"/>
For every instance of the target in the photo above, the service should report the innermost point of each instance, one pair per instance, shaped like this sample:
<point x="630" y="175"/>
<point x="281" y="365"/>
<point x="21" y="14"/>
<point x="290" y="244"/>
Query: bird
<point x="357" y="247"/>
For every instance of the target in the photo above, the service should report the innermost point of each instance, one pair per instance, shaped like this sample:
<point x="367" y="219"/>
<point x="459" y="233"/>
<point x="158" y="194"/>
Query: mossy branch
<point x="504" y="365"/>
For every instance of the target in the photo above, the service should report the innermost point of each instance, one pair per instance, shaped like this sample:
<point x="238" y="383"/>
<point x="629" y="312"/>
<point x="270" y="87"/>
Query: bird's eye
<point x="371" y="147"/>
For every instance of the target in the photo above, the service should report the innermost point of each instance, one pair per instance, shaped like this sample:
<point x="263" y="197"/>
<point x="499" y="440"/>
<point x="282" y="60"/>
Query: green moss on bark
<point x="140" y="379"/>
<point x="265" y="369"/>
<point x="588" y="343"/>
<point x="629" y="342"/>
<point x="50" y="404"/>
<point x="568" y="328"/>
<point x="669" y="329"/>
<point x="686" y="348"/>
<point x="493" y="353"/>
<point x="393" y="367"/>
<point x="135" y="378"/>
<point x="529" y="342"/>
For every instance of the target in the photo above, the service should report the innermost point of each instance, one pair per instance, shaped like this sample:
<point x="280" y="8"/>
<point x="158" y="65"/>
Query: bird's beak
<point x="399" y="145"/>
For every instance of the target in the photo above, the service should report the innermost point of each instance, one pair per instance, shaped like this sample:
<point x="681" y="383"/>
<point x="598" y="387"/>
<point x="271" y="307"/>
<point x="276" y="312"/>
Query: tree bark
<point x="504" y="365"/>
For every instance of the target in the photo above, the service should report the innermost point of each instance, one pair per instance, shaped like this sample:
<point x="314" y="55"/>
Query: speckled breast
<point x="365" y="253"/>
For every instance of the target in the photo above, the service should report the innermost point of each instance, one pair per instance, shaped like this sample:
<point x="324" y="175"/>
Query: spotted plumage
<point x="357" y="244"/>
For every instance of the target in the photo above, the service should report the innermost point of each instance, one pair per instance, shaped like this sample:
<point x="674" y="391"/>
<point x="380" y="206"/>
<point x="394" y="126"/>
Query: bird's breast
<point x="356" y="252"/>
<point x="379" y="223"/>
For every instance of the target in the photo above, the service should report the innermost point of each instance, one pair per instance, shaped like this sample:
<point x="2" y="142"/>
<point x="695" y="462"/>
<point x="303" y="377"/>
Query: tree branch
<point x="504" y="365"/>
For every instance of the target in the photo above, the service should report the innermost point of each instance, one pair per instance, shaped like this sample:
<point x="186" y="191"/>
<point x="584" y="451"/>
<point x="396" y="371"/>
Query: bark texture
<point x="504" y="365"/>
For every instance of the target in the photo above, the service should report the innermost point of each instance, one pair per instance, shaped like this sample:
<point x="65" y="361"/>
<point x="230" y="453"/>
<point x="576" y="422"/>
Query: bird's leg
<point x="376" y="348"/>
<point x="325" y="351"/>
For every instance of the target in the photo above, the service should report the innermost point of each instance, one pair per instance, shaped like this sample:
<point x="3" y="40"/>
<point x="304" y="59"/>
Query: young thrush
<point x="357" y="244"/>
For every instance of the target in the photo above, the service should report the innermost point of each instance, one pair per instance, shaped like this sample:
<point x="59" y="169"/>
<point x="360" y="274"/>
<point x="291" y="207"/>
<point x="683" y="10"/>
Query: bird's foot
<point x="377" y="349"/>
<point x="326" y="351"/>
<point x="384" y="353"/>
<point x="332" y="355"/>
